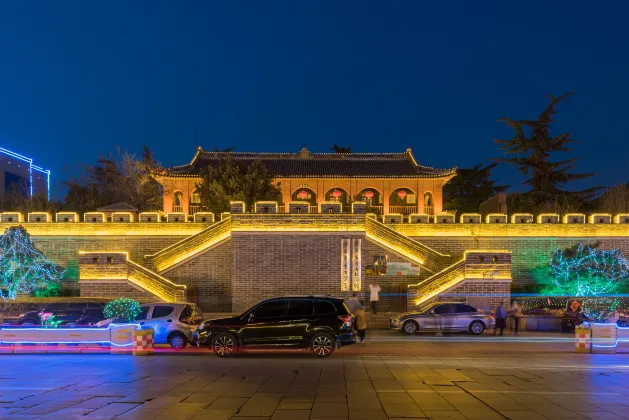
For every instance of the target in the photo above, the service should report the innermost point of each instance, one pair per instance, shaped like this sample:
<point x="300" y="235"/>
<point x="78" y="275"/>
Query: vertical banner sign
<point x="345" y="265"/>
<point x="356" y="265"/>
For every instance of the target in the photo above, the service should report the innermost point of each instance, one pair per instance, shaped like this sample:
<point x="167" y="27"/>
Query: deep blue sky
<point x="78" y="78"/>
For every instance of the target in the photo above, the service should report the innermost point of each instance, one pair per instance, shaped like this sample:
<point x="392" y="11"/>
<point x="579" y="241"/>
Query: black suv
<point x="81" y="313"/>
<point x="317" y="323"/>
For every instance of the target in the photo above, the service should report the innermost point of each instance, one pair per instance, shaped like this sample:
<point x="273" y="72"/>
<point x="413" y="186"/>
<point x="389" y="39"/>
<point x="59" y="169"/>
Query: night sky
<point x="78" y="78"/>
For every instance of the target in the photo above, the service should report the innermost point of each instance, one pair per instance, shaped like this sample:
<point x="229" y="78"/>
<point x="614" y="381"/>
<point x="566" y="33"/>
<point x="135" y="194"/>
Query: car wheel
<point x="224" y="345"/>
<point x="477" y="327"/>
<point x="322" y="345"/>
<point x="410" y="327"/>
<point x="177" y="341"/>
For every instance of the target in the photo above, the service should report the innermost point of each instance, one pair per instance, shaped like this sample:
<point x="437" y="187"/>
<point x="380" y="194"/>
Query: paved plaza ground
<point x="393" y="376"/>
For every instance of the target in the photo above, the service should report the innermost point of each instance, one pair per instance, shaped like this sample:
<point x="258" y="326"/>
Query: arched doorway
<point x="306" y="194"/>
<point x="429" y="207"/>
<point x="177" y="202"/>
<point x="403" y="201"/>
<point x="339" y="195"/>
<point x="195" y="202"/>
<point x="373" y="198"/>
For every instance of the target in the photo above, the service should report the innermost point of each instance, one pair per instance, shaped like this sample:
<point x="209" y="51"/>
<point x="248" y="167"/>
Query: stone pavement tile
<point x="574" y="405"/>
<point x="619" y="410"/>
<point x="415" y="386"/>
<point x="523" y="415"/>
<point x="393" y="385"/>
<point x="113" y="409"/>
<point x="504" y="403"/>
<point x="602" y="415"/>
<point x="162" y="402"/>
<point x="291" y="415"/>
<point x="261" y="404"/>
<point x="200" y="397"/>
<point x="367" y="414"/>
<point x="70" y="411"/>
<point x="402" y="409"/>
<point x="182" y="411"/>
<point x="140" y="414"/>
<point x="295" y="404"/>
<point x="301" y="391"/>
<point x="209" y="414"/>
<point x="431" y="401"/>
<point x="329" y="409"/>
<point x="228" y="403"/>
<point x="95" y="403"/>
<point x="556" y="412"/>
<point x="445" y="414"/>
<point x="371" y="404"/>
<point x="44" y="408"/>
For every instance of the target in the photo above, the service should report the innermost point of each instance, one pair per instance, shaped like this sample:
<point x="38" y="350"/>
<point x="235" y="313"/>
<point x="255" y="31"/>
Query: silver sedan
<point x="444" y="316"/>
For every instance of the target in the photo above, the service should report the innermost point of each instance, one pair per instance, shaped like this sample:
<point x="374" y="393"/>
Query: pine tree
<point x="533" y="146"/>
<point x="469" y="188"/>
<point x="22" y="267"/>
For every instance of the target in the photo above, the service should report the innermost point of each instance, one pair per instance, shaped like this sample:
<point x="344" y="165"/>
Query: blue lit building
<point x="19" y="174"/>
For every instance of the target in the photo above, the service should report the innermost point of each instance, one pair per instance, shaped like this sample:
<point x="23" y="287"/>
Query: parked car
<point x="78" y="313"/>
<point x="172" y="323"/>
<point x="320" y="324"/>
<point x="444" y="316"/>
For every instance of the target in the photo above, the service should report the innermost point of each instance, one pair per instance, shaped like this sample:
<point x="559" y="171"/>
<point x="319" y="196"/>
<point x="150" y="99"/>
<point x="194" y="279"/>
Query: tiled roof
<point x="306" y="164"/>
<point x="118" y="207"/>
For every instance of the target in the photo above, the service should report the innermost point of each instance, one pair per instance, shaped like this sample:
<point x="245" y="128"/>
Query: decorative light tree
<point x="22" y="267"/>
<point x="587" y="271"/>
<point x="122" y="310"/>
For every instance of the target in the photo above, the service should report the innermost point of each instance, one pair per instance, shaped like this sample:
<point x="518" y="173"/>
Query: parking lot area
<point x="392" y="376"/>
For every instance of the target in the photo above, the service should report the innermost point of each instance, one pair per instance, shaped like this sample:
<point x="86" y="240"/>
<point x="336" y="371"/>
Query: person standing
<point x="374" y="297"/>
<point x="353" y="303"/>
<point x="360" y="323"/>
<point x="501" y="319"/>
<point x="516" y="313"/>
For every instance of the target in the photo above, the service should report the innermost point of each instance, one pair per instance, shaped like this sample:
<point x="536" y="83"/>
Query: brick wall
<point x="114" y="290"/>
<point x="484" y="294"/>
<point x="275" y="264"/>
<point x="527" y="253"/>
<point x="211" y="274"/>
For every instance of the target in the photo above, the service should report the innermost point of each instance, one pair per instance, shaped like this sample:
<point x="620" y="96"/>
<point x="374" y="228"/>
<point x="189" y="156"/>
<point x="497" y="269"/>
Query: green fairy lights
<point x="22" y="267"/>
<point x="122" y="310"/>
<point x="587" y="271"/>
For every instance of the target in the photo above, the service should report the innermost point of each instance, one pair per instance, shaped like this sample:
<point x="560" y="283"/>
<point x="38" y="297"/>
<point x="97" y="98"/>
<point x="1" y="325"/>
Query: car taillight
<point x="493" y="314"/>
<point x="347" y="320"/>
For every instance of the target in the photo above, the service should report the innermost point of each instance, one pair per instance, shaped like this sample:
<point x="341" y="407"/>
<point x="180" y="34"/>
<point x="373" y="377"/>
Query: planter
<point x="583" y="339"/>
<point x="604" y="337"/>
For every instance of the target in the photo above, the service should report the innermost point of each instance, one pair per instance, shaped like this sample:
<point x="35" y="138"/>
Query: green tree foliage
<point x="16" y="199"/>
<point x="234" y="181"/>
<point x="469" y="188"/>
<point x="338" y="149"/>
<point x="586" y="270"/>
<point x="22" y="267"/>
<point x="118" y="178"/>
<point x="532" y="148"/>
<point x="614" y="200"/>
<point x="122" y="310"/>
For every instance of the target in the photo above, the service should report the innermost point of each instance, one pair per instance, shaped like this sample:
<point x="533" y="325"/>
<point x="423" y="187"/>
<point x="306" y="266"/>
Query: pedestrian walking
<point x="374" y="297"/>
<point x="360" y="323"/>
<point x="516" y="314"/>
<point x="501" y="319"/>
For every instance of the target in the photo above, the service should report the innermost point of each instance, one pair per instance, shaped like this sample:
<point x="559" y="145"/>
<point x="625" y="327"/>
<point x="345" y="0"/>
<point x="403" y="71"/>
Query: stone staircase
<point x="380" y="320"/>
<point x="428" y="258"/>
<point x="183" y="250"/>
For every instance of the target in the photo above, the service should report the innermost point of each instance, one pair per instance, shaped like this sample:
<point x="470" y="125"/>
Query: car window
<point x="443" y="309"/>
<point x="324" y="307"/>
<point x="160" y="311"/>
<point x="186" y="314"/>
<point x="460" y="308"/>
<point x="143" y="313"/>
<point x="300" y="307"/>
<point x="272" y="309"/>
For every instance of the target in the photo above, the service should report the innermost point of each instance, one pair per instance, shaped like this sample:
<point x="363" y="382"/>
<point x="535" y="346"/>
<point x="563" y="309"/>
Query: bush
<point x="122" y="310"/>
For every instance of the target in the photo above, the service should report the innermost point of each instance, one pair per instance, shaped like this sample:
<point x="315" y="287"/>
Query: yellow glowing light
<point x="176" y="217"/>
<point x="392" y="218"/>
<point x="126" y="217"/>
<point x="468" y="217"/>
<point x="621" y="216"/>
<point x="444" y="218"/>
<point x="358" y="203"/>
<point x="46" y="216"/>
<point x="94" y="217"/>
<point x="540" y="217"/>
<point x="200" y="215"/>
<point x="516" y="217"/>
<point x="598" y="216"/>
<point x="152" y="216"/>
<point x="496" y="216"/>
<point x="18" y="217"/>
<point x="272" y="204"/>
<point x="331" y="204"/>
<point x="66" y="217"/>
<point x="578" y="216"/>
<point x="237" y="204"/>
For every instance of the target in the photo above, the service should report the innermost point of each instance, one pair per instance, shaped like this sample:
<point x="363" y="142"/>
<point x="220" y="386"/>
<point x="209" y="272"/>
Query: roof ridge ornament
<point x="304" y="153"/>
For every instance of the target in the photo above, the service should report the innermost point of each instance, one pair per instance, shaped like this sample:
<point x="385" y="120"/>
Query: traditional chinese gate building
<point x="387" y="182"/>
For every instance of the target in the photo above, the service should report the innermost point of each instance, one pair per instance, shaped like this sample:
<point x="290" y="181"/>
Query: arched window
<point x="337" y="194"/>
<point x="305" y="194"/>
<point x="428" y="203"/>
<point x="177" y="202"/>
<point x="373" y="198"/>
<point x="403" y="201"/>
